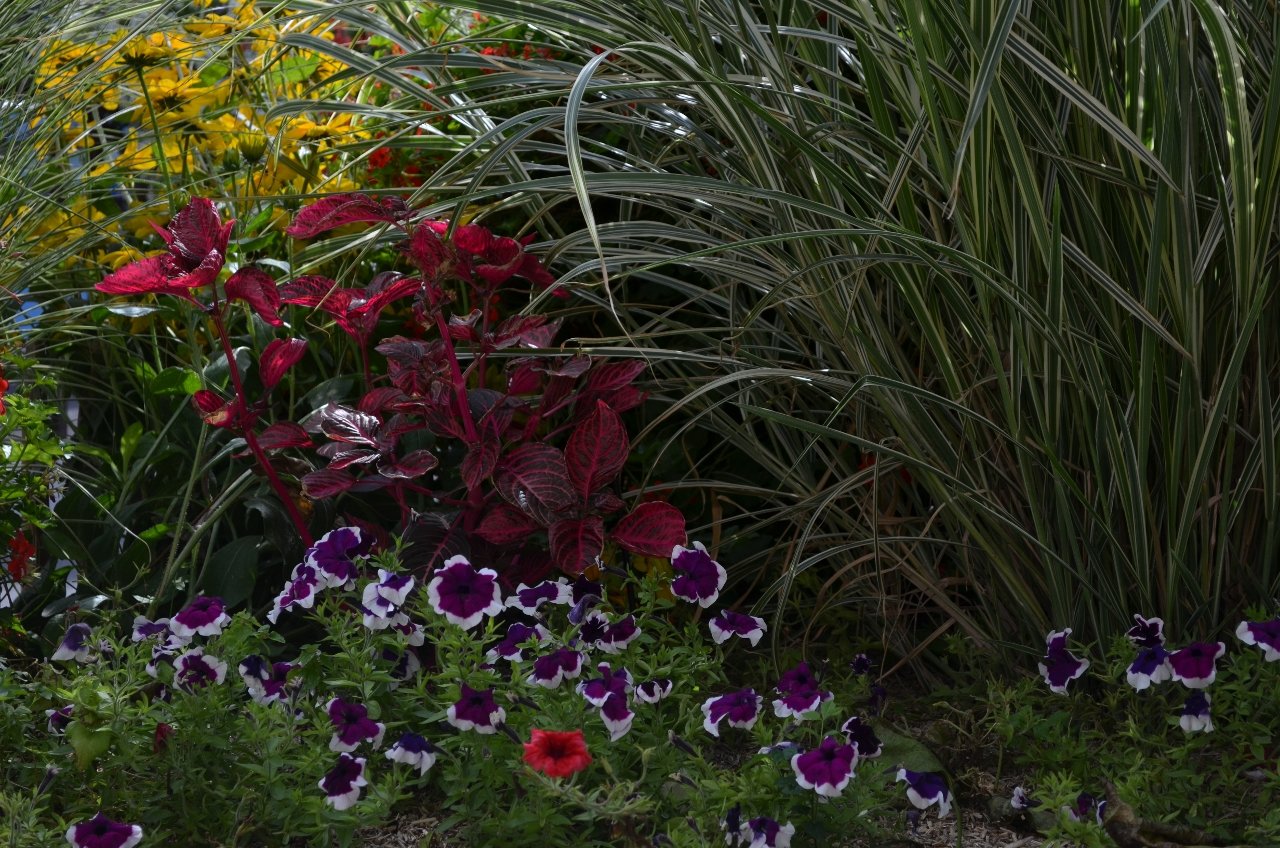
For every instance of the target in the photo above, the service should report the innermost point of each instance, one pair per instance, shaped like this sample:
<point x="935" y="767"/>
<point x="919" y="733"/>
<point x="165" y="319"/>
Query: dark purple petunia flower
<point x="616" y="715"/>
<point x="102" y="832"/>
<point x="618" y="635"/>
<point x="413" y="750"/>
<point x="924" y="789"/>
<point x="1195" y="716"/>
<point x="1264" y="634"/>
<point x="144" y="628"/>
<point x="204" y="616"/>
<point x="517" y="634"/>
<point x="653" y="691"/>
<point x="610" y="682"/>
<point x="861" y="736"/>
<point x="464" y="595"/>
<point x="550" y="670"/>
<point x="1146" y="632"/>
<point x="699" y="578"/>
<point x="739" y="709"/>
<point x="74" y="645"/>
<point x="799" y="705"/>
<point x="395" y="588"/>
<point x="406" y="665"/>
<point x="826" y="769"/>
<point x="764" y="832"/>
<point x="593" y="629"/>
<point x="299" y="592"/>
<point x="477" y="710"/>
<point x="1086" y="805"/>
<point x="333" y="556"/>
<point x="266" y="683"/>
<point x="1060" y="666"/>
<point x="352" y="725"/>
<point x="1150" y="666"/>
<point x="1022" y="800"/>
<point x="378" y="612"/>
<point x="728" y="623"/>
<point x="529" y="598"/>
<point x="861" y="665"/>
<point x="194" y="670"/>
<point x="59" y="719"/>
<point x="341" y="786"/>
<point x="797" y="679"/>
<point x="1195" y="665"/>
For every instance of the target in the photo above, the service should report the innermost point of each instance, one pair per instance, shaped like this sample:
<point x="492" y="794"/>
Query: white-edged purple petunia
<point x="862" y="736"/>
<point x="1146" y="632"/>
<point x="74" y="645"/>
<point x="102" y="832"/>
<point x="1195" y="666"/>
<point x="797" y="679"/>
<point x="616" y="715"/>
<point x="144" y="628"/>
<point x="553" y="668"/>
<point x="1060" y="666"/>
<point x="394" y="587"/>
<point x="740" y="709"/>
<point x="924" y="789"/>
<point x="464" y="595"/>
<point x="341" y="786"/>
<point x="610" y="682"/>
<point x="194" y="669"/>
<point x="764" y="832"/>
<point x="1022" y="800"/>
<point x="413" y="750"/>
<point x="653" y="691"/>
<point x="518" y="633"/>
<point x="1264" y="634"/>
<point x="826" y="769"/>
<point x="528" y="599"/>
<point x="352" y="725"/>
<point x="727" y="623"/>
<point x="299" y="592"/>
<point x="1087" y="805"/>
<point x="1195" y="716"/>
<point x="476" y="710"/>
<point x="618" y="635"/>
<point x="1150" y="666"/>
<point x="333" y="556"/>
<point x="405" y="665"/>
<point x="206" y="615"/>
<point x="699" y="578"/>
<point x="266" y="683"/>
<point x="800" y="705"/>
<point x="378" y="612"/>
<point x="59" y="719"/>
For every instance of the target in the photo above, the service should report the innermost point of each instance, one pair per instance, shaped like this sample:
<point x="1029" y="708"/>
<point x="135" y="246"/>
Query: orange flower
<point x="557" y="753"/>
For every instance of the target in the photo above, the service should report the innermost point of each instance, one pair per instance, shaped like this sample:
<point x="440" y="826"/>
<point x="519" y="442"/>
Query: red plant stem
<point x="299" y="523"/>
<point x="459" y="382"/>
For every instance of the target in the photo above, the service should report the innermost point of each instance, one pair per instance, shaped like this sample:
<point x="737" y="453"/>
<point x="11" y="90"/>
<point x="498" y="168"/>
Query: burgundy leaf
<point x="574" y="366"/>
<point x="341" y="456"/>
<point x="196" y="232"/>
<point x="505" y="525"/>
<point x="652" y="529"/>
<point x="409" y="466"/>
<point x="472" y="239"/>
<point x="141" y="277"/>
<point x="379" y="399"/>
<point x="604" y="502"/>
<point x="344" y="424"/>
<point x="340" y="209"/>
<point x="576" y="542"/>
<point x="326" y="483"/>
<point x="215" y="411"/>
<point x="523" y="378"/>
<point x="500" y="261"/>
<point x="462" y="328"/>
<point x="596" y="451"/>
<point x="430" y="539"/>
<point x="479" y="462"/>
<point x="531" y="269"/>
<point x="310" y="290"/>
<point x="537" y="471"/>
<point x="284" y="434"/>
<point x="278" y="357"/>
<point x="627" y="397"/>
<point x="607" y="376"/>
<point x="524" y="330"/>
<point x="258" y="289"/>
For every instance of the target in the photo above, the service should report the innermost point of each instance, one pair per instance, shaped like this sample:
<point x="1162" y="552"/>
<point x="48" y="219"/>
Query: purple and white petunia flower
<point x="59" y="719"/>
<point x="764" y="832"/>
<point x="862" y="736"/>
<point x="406" y="665"/>
<point x="826" y="769"/>
<point x="352" y="725"/>
<point x="464" y="595"/>
<point x="517" y="634"/>
<point x="1150" y="666"/>
<point x="728" y="623"/>
<point x="1195" y="666"/>
<point x="144" y="628"/>
<point x="413" y="750"/>
<point x="618" y="635"/>
<point x="299" y="592"/>
<point x="616" y="715"/>
<point x="560" y="665"/>
<point x="162" y="652"/>
<point x="1085" y="805"/>
<point x="1195" y="716"/>
<point x="528" y="599"/>
<point x="341" y="786"/>
<point x="333" y="556"/>
<point x="1264" y="634"/>
<point x="797" y="679"/>
<point x="739" y="709"/>
<point x="924" y="789"/>
<point x="800" y="705"/>
<point x="610" y="682"/>
<point x="267" y="683"/>
<point x="1060" y="666"/>
<point x="204" y="616"/>
<point x="699" y="578"/>
<point x="1146" y="632"/>
<point x="477" y="710"/>
<point x="653" y="691"/>
<point x="74" y="645"/>
<point x="193" y="669"/>
<point x="1022" y="799"/>
<point x="377" y="611"/>
<point x="102" y="832"/>
<point x="394" y="587"/>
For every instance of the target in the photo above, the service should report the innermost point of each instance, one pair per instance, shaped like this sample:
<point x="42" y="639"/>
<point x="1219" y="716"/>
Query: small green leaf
<point x="89" y="744"/>
<point x="905" y="751"/>
<point x="175" y="381"/>
<point x="129" y="442"/>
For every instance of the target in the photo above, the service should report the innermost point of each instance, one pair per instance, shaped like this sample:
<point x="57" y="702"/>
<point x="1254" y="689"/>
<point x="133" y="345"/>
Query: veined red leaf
<point x="537" y="471"/>
<point x="344" y="424"/>
<point x="337" y="210"/>
<point x="310" y="290"/>
<point x="596" y="451"/>
<point x="409" y="466"/>
<point x="480" y="461"/>
<point x="505" y="525"/>
<point x="258" y="289"/>
<point x="608" y="376"/>
<point x="651" y="529"/>
<point x="284" y="434"/>
<point x="278" y="357"/>
<point x="379" y="399"/>
<point x="430" y="539"/>
<point x="604" y="502"/>
<point x="576" y="542"/>
<point x="196" y="232"/>
<point x="326" y="482"/>
<point x="215" y="411"/>
<point x="141" y="277"/>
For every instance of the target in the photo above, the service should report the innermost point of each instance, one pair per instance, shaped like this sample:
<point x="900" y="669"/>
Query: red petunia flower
<point x="557" y="753"/>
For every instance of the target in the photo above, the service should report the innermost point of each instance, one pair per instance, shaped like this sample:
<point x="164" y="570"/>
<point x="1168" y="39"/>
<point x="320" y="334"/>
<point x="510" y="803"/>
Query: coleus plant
<point x="542" y="443"/>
